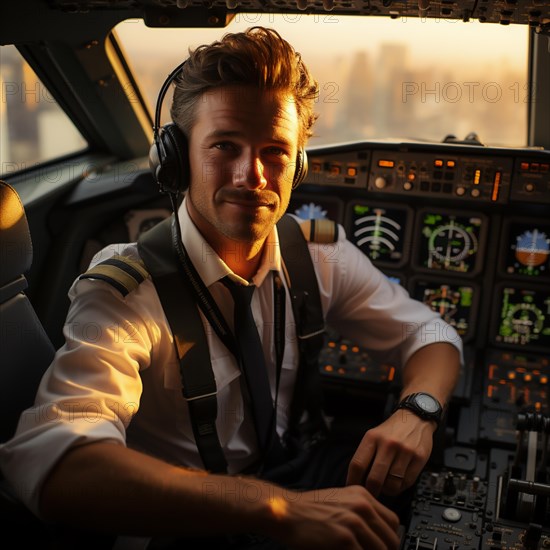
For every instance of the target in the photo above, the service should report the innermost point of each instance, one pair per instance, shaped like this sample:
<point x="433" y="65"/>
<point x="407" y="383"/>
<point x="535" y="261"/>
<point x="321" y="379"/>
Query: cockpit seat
<point x="26" y="353"/>
<point x="26" y="349"/>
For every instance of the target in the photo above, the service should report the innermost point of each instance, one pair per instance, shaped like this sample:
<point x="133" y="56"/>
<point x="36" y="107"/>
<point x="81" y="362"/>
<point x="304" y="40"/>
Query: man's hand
<point x="391" y="456"/>
<point x="343" y="518"/>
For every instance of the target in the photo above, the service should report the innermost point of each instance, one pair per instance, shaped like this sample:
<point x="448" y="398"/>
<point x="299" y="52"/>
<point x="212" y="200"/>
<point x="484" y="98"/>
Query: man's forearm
<point x="108" y="487"/>
<point x="433" y="369"/>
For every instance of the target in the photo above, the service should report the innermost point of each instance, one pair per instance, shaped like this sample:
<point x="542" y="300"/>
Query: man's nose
<point x="250" y="173"/>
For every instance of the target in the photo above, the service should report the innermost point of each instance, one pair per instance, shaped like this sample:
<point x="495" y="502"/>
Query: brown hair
<point x="257" y="57"/>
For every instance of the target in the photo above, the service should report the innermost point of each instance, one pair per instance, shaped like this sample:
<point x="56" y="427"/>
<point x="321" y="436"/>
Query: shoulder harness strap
<point x="123" y="273"/>
<point x="310" y="323"/>
<point x="199" y="385"/>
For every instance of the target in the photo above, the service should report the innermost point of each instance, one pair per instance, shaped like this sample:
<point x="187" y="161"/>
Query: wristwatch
<point x="422" y="404"/>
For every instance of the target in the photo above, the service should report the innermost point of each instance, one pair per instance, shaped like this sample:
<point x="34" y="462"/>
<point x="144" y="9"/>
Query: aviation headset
<point x="168" y="155"/>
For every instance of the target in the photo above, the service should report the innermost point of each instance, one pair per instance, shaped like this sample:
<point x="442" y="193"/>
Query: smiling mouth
<point x="249" y="200"/>
<point x="250" y="204"/>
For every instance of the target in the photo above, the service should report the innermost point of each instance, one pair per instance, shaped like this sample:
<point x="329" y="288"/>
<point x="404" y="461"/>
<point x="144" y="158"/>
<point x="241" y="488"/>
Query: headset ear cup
<point x="301" y="168"/>
<point x="169" y="159"/>
<point x="154" y="160"/>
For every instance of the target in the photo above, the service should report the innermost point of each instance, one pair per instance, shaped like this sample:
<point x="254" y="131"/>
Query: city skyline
<point x="370" y="94"/>
<point x="383" y="87"/>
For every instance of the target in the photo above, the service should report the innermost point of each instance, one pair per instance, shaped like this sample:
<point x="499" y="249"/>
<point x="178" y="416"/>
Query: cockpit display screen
<point x="454" y="302"/>
<point x="523" y="318"/>
<point x="308" y="208"/>
<point x="450" y="242"/>
<point x="528" y="250"/>
<point x="380" y="232"/>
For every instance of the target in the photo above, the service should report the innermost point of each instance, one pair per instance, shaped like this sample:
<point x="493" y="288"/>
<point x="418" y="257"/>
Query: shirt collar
<point x="210" y="266"/>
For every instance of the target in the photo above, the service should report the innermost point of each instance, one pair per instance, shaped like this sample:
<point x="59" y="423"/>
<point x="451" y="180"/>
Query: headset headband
<point x="160" y="100"/>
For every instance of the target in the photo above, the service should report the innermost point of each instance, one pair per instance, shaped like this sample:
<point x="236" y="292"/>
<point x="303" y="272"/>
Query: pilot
<point x="111" y="444"/>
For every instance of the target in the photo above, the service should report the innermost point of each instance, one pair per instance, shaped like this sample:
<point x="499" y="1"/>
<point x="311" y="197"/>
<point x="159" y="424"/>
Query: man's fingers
<point x="359" y="464"/>
<point x="382" y="522"/>
<point x="376" y="478"/>
<point x="374" y="526"/>
<point x="380" y="469"/>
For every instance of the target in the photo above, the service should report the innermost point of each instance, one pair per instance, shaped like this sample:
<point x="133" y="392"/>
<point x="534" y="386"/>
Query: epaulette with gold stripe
<point x="320" y="231"/>
<point x="123" y="273"/>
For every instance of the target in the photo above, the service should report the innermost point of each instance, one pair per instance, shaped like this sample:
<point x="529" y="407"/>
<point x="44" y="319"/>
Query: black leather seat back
<point x="26" y="350"/>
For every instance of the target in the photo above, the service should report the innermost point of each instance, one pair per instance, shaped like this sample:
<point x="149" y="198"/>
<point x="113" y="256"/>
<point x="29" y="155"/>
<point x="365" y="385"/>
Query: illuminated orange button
<point x="352" y="171"/>
<point x="316" y="168"/>
<point x="344" y="347"/>
<point x="341" y="370"/>
<point x="334" y="170"/>
<point x="329" y="368"/>
<point x="527" y="378"/>
<point x="411" y="176"/>
<point x="451" y="164"/>
<point x="438" y="162"/>
<point x="512" y="375"/>
<point x="363" y="369"/>
<point x="386" y="163"/>
<point x="332" y="344"/>
<point x="524" y="166"/>
<point x="355" y="349"/>
<point x="543" y="379"/>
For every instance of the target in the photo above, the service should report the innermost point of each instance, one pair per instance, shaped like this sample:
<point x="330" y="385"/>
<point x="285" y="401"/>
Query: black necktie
<point x="253" y="363"/>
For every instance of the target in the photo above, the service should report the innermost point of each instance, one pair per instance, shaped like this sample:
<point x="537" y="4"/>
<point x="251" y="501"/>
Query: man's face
<point x="242" y="151"/>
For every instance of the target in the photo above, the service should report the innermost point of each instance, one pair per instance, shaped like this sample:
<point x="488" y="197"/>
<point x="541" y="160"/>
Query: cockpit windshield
<point x="411" y="79"/>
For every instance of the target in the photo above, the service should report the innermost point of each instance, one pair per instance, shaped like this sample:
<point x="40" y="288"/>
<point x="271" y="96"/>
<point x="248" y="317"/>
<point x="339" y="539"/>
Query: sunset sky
<point x="362" y="64"/>
<point x="432" y="40"/>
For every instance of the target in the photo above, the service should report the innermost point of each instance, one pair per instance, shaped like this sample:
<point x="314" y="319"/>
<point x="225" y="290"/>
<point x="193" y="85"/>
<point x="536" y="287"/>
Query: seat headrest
<point x="15" y="237"/>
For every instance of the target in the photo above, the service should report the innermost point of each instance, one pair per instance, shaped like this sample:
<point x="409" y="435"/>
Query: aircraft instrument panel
<point x="466" y="231"/>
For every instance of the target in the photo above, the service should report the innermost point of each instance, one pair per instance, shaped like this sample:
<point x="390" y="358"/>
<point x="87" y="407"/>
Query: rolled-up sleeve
<point x="91" y="390"/>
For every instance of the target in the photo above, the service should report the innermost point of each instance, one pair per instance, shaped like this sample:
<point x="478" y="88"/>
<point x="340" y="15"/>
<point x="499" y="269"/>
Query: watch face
<point x="427" y="403"/>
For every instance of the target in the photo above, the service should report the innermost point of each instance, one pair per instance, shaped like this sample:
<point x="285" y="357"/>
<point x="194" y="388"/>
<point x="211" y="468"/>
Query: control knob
<point x="380" y="182"/>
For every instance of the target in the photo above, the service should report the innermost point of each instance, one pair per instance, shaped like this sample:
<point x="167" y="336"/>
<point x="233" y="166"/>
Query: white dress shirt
<point x="117" y="376"/>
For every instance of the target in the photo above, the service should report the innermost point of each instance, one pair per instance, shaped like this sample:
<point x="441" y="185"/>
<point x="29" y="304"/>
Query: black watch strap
<point x="422" y="404"/>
